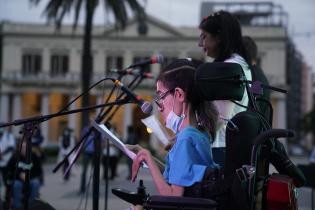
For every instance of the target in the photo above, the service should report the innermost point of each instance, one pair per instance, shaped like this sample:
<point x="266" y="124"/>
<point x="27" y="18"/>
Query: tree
<point x="55" y="11"/>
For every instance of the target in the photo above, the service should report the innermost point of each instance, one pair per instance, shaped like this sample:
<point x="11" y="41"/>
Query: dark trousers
<point x="87" y="159"/>
<point x="4" y="174"/>
<point x="112" y="165"/>
<point x="65" y="166"/>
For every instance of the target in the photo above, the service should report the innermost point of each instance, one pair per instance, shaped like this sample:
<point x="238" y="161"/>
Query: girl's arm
<point x="161" y="185"/>
<point x="136" y="148"/>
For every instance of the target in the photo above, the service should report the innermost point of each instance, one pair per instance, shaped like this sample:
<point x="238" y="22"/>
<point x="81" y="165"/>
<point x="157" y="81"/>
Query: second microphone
<point x="145" y="106"/>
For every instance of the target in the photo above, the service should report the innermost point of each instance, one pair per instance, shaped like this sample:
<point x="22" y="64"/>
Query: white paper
<point x="106" y="133"/>
<point x="157" y="129"/>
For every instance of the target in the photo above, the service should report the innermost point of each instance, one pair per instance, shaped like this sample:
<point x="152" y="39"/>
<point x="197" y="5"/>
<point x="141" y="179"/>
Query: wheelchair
<point x="244" y="182"/>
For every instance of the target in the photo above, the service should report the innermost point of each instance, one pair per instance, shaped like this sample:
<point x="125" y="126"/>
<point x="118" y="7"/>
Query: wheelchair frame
<point x="248" y="169"/>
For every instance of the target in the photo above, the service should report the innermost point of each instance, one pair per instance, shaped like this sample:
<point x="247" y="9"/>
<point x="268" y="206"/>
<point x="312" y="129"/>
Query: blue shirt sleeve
<point x="188" y="159"/>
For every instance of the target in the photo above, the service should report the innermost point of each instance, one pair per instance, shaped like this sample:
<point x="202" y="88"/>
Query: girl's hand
<point x="134" y="147"/>
<point x="143" y="155"/>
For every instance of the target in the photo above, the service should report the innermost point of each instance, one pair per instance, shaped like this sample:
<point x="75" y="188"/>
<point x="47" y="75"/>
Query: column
<point x="156" y="67"/>
<point x="99" y="60"/>
<point x="45" y="111"/>
<point x="16" y="113"/>
<point x="4" y="109"/>
<point x="183" y="54"/>
<point x="280" y="113"/>
<point x="72" y="117"/>
<point x="75" y="60"/>
<point x="46" y="61"/>
<point x="280" y="116"/>
<point x="154" y="142"/>
<point x="127" y="119"/>
<point x="127" y="60"/>
<point x="104" y="70"/>
<point x="99" y="100"/>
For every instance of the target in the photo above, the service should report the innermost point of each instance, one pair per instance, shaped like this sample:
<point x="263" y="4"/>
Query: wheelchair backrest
<point x="239" y="141"/>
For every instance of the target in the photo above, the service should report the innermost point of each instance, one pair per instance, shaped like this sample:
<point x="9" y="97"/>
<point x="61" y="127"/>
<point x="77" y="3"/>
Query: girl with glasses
<point x="221" y="40"/>
<point x="194" y="123"/>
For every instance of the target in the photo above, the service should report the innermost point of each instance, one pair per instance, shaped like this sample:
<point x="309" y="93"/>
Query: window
<point x="31" y="63"/>
<point x="113" y="63"/>
<point x="59" y="65"/>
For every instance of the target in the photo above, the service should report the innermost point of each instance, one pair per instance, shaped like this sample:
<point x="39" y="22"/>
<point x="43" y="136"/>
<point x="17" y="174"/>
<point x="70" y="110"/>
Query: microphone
<point x="135" y="72"/>
<point x="145" y="106"/>
<point x="154" y="59"/>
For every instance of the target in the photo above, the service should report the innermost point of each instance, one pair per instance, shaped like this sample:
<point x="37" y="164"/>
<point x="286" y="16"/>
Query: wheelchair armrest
<point x="129" y="196"/>
<point x="175" y="202"/>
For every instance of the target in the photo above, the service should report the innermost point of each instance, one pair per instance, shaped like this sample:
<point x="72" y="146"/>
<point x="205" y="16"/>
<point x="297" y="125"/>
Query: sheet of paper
<point x="157" y="129"/>
<point x="106" y="133"/>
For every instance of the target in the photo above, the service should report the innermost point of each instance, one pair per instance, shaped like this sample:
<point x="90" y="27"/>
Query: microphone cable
<point x="137" y="83"/>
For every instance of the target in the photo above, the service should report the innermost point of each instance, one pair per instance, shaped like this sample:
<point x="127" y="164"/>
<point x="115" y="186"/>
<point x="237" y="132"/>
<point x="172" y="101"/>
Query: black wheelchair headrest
<point x="220" y="81"/>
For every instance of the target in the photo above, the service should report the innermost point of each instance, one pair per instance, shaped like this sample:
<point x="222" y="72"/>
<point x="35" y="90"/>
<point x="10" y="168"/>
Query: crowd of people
<point x="15" y="164"/>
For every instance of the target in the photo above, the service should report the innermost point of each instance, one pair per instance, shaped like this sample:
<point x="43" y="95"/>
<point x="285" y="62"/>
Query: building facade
<point x="40" y="69"/>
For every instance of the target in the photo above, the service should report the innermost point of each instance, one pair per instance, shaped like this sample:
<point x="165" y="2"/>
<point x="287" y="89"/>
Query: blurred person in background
<point x="37" y="140"/>
<point x="88" y="151"/>
<point x="17" y="175"/>
<point x="221" y="39"/>
<point x="312" y="158"/>
<point x="132" y="139"/>
<point x="66" y="142"/>
<point x="7" y="147"/>
<point x="257" y="75"/>
<point x="113" y="156"/>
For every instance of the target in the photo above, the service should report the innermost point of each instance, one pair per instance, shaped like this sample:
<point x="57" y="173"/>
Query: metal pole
<point x="96" y="172"/>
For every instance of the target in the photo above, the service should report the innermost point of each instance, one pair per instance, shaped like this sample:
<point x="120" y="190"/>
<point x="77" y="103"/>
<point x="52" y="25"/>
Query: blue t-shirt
<point x="189" y="157"/>
<point x="89" y="142"/>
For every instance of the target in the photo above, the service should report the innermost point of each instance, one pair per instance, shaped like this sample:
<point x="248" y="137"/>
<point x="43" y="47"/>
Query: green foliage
<point x="56" y="10"/>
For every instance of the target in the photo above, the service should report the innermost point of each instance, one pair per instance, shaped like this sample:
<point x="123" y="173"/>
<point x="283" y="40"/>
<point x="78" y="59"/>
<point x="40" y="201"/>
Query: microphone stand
<point x="78" y="147"/>
<point x="97" y="157"/>
<point x="28" y="129"/>
<point x="41" y="118"/>
<point x="107" y="143"/>
<point x="117" y="107"/>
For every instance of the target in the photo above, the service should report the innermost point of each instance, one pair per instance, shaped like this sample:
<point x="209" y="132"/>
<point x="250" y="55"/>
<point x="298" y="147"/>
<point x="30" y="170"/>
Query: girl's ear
<point x="180" y="94"/>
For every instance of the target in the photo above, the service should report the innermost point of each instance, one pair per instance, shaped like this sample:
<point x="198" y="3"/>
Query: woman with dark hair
<point x="192" y="119"/>
<point x="221" y="39"/>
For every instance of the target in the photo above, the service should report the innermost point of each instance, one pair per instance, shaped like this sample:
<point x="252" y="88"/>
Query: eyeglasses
<point x="158" y="99"/>
<point x="202" y="37"/>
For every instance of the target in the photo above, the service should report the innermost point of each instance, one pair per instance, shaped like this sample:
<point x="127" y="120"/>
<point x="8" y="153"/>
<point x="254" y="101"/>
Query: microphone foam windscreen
<point x="146" y="107"/>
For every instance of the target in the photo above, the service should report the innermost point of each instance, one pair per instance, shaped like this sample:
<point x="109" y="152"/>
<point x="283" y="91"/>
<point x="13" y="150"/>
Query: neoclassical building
<point x="40" y="67"/>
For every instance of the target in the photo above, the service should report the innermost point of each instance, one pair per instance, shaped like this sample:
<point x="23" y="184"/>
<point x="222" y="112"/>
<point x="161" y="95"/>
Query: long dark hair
<point x="227" y="28"/>
<point x="251" y="48"/>
<point x="181" y="73"/>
